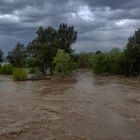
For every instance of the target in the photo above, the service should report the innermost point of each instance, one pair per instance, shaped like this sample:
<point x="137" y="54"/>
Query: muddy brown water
<point x="90" y="108"/>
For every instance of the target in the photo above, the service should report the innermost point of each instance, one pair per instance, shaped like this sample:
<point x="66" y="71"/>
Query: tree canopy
<point x="66" y="36"/>
<point x="48" y="40"/>
<point x="132" y="53"/>
<point x="1" y="55"/>
<point x="42" y="48"/>
<point x="63" y="63"/>
<point x="53" y="48"/>
<point x="17" y="56"/>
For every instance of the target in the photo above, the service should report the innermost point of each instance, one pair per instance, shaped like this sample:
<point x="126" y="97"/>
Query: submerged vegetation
<point x="51" y="50"/>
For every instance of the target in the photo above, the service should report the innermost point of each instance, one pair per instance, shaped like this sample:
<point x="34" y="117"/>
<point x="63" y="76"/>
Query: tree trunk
<point x="44" y="66"/>
<point x="51" y="68"/>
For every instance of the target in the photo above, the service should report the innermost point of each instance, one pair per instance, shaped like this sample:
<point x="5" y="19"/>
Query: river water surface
<point x="87" y="107"/>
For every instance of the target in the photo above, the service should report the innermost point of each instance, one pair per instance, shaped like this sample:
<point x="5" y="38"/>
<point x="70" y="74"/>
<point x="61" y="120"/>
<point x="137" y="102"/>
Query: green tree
<point x="17" y="56"/>
<point x="98" y="63"/>
<point x="124" y="64"/>
<point x="112" y="60"/>
<point x="66" y="36"/>
<point x="6" y="69"/>
<point x="1" y="55"/>
<point x="63" y="63"/>
<point x="105" y="62"/>
<point x="43" y="47"/>
<point x="48" y="40"/>
<point x="132" y="54"/>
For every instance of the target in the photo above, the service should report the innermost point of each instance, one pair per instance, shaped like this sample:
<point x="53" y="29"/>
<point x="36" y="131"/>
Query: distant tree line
<point x="124" y="62"/>
<point x="40" y="52"/>
<point x="51" y="48"/>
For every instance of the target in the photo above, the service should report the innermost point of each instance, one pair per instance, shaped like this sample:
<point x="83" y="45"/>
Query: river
<point x="86" y="107"/>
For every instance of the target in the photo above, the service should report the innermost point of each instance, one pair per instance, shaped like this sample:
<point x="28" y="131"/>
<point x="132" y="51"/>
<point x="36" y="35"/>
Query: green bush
<point x="109" y="63"/>
<point x="63" y="63"/>
<point x="98" y="63"/>
<point x="38" y="74"/>
<point x="6" y="69"/>
<point x="19" y="74"/>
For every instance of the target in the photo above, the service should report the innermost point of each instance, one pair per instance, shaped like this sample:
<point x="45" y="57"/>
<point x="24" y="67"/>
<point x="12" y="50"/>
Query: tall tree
<point x="43" y="47"/>
<point x="48" y="40"/>
<point x="1" y="55"/>
<point x="132" y="53"/>
<point x="17" y="56"/>
<point x="66" y="36"/>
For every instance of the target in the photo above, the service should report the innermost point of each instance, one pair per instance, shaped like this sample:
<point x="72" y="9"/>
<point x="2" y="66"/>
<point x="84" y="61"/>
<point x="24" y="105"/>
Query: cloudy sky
<point x="101" y="24"/>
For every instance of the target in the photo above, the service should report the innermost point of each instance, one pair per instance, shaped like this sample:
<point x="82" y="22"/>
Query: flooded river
<point x="87" y="108"/>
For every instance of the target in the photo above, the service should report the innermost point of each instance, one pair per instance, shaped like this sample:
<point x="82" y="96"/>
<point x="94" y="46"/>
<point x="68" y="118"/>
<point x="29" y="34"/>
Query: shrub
<point x="106" y="62"/>
<point x="19" y="74"/>
<point x="63" y="63"/>
<point x="38" y="74"/>
<point x="6" y="69"/>
<point x="97" y="63"/>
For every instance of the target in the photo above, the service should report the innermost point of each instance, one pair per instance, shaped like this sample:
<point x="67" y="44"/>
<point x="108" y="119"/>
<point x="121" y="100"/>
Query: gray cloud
<point x="101" y="24"/>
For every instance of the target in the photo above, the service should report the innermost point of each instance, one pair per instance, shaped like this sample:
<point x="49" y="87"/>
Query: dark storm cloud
<point x="115" y="4"/>
<point x="101" y="24"/>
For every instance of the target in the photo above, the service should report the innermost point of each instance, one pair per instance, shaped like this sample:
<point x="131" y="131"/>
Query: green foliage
<point x="1" y="55"/>
<point x="52" y="42"/>
<point x="34" y="63"/>
<point x="17" y="56"/>
<point x="63" y="63"/>
<point x="6" y="69"/>
<point x="65" y="37"/>
<point x="106" y="62"/>
<point x="73" y="66"/>
<point x="113" y="61"/>
<point x="19" y="74"/>
<point x="126" y="62"/>
<point x="98" y="63"/>
<point x="44" y="47"/>
<point x="130" y="58"/>
<point x="83" y="60"/>
<point x="38" y="74"/>
<point x="138" y="77"/>
<point x="32" y="70"/>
